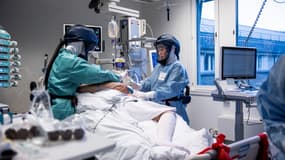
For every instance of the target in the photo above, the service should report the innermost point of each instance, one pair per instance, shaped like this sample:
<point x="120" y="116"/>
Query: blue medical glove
<point x="144" y="95"/>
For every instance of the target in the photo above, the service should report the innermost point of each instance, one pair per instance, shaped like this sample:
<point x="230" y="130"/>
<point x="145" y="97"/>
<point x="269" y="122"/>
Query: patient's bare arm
<point x="98" y="87"/>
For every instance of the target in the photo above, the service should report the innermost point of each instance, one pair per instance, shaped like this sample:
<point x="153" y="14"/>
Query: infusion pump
<point x="9" y="61"/>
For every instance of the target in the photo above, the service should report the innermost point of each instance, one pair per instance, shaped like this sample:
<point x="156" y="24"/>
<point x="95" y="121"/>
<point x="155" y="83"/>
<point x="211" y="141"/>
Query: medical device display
<point x="152" y="59"/>
<point x="98" y="32"/>
<point x="238" y="63"/>
<point x="130" y="28"/>
<point x="9" y="61"/>
<point x="134" y="53"/>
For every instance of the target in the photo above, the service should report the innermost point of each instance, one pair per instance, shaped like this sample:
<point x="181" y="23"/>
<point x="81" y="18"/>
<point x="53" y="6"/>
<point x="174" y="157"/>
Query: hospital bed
<point x="252" y="148"/>
<point x="136" y="140"/>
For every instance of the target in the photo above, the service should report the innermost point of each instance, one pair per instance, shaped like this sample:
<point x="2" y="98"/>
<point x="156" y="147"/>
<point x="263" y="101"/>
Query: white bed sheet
<point x="136" y="140"/>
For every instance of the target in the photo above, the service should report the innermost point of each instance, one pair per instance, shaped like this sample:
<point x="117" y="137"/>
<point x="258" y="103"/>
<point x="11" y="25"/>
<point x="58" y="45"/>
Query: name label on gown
<point x="161" y="76"/>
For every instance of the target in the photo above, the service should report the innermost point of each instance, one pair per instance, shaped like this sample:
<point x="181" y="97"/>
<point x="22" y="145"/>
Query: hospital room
<point x="142" y="79"/>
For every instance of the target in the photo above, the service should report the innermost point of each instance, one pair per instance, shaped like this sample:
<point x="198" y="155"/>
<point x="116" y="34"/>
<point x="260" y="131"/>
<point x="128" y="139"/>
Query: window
<point x="268" y="36"/>
<point x="205" y="42"/>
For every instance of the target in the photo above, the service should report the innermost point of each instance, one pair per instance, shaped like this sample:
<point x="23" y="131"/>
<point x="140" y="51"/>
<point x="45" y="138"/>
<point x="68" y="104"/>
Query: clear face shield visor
<point x="90" y="50"/>
<point x="92" y="57"/>
<point x="162" y="51"/>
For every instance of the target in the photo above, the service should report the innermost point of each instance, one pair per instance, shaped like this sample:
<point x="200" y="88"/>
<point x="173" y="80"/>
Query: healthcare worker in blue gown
<point x="169" y="78"/>
<point x="271" y="106"/>
<point x="69" y="68"/>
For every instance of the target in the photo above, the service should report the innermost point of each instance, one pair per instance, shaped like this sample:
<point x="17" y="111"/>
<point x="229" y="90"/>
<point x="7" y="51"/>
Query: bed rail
<point x="246" y="149"/>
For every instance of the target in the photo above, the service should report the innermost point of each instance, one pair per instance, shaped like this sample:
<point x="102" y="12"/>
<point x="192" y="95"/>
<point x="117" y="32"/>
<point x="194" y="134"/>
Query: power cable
<point x="248" y="118"/>
<point x="255" y="22"/>
<point x="279" y="1"/>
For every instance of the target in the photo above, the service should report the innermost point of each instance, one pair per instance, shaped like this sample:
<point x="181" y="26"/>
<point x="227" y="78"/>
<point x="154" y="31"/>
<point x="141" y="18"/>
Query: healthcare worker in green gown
<point x="69" y="68"/>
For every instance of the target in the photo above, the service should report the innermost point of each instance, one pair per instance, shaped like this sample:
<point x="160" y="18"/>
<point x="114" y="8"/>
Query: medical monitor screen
<point x="238" y="63"/>
<point x="152" y="59"/>
<point x="97" y="30"/>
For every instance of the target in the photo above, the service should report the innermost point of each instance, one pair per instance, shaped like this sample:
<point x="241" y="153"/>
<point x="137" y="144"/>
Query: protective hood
<point x="168" y="40"/>
<point x="82" y="33"/>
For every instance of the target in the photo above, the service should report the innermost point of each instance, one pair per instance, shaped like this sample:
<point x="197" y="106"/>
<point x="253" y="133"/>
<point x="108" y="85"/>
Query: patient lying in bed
<point x="139" y="109"/>
<point x="142" y="129"/>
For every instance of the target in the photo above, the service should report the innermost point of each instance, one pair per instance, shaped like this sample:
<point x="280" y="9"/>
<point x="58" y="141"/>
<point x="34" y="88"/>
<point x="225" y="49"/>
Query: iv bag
<point x="41" y="106"/>
<point x="113" y="29"/>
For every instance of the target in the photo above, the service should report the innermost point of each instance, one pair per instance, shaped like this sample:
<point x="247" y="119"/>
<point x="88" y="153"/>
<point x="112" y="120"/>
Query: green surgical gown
<point x="68" y="72"/>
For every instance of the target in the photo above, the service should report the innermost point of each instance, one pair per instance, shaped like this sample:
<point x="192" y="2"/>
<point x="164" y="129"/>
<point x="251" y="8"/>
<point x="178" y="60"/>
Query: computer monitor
<point x="97" y="30"/>
<point x="152" y="59"/>
<point x="238" y="63"/>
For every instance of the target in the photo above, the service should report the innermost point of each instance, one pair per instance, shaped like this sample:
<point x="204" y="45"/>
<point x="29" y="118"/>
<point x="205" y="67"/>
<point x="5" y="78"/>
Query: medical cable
<point x="248" y="118"/>
<point x="255" y="22"/>
<point x="279" y="1"/>
<point x="110" y="110"/>
<point x="123" y="101"/>
<point x="101" y="119"/>
<point x="136" y="124"/>
<point x="150" y="29"/>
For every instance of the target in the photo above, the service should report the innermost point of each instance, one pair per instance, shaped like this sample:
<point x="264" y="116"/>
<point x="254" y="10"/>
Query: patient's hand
<point x="98" y="87"/>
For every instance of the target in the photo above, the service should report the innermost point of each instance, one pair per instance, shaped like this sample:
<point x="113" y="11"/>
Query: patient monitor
<point x="235" y="77"/>
<point x="152" y="55"/>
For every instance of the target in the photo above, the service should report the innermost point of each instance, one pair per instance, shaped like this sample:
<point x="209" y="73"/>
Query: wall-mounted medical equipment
<point x="9" y="61"/>
<point x="130" y="28"/>
<point x="133" y="46"/>
<point x="146" y="1"/>
<point x="132" y="33"/>
<point x="98" y="32"/>
<point x="110" y="6"/>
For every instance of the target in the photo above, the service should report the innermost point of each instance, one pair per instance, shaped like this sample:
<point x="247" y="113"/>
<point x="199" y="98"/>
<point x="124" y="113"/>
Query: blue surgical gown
<point x="271" y="106"/>
<point x="68" y="72"/>
<point x="168" y="81"/>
